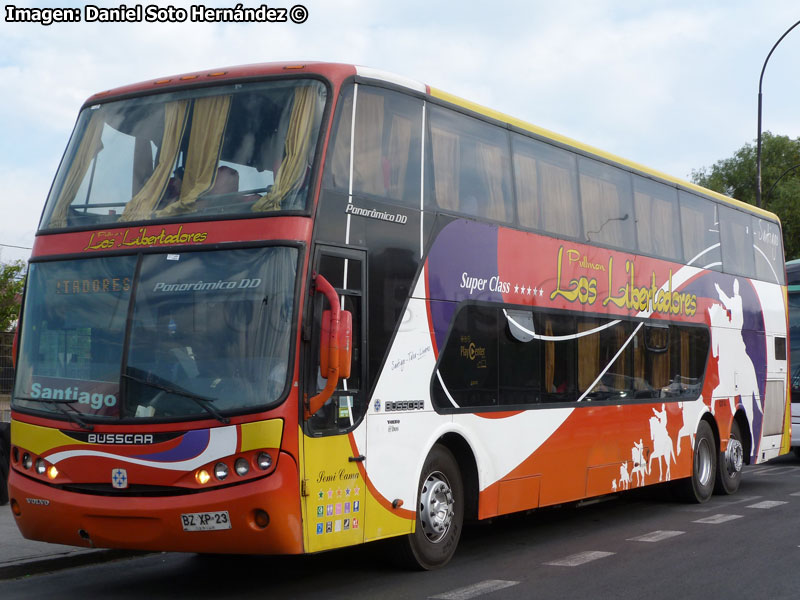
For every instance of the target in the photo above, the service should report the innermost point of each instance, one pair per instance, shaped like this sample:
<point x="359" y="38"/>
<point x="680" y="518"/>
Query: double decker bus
<point x="287" y="308"/>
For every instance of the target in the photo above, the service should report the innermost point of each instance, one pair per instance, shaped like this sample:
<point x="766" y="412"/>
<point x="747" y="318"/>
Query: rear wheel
<point x="440" y="513"/>
<point x="729" y="464"/>
<point x="699" y="487"/>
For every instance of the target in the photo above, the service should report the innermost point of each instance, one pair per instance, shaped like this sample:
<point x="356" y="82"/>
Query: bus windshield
<point x="158" y="335"/>
<point x="232" y="150"/>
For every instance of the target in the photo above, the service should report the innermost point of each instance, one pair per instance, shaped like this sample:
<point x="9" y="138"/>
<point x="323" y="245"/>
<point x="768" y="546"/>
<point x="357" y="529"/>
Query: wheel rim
<point x="703" y="462"/>
<point x="734" y="456"/>
<point x="436" y="507"/>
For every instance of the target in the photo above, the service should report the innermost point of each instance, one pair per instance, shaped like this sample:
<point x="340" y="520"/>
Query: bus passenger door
<point x="334" y="492"/>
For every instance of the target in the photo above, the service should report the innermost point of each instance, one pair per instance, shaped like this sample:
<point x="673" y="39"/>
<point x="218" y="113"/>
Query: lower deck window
<point x="502" y="356"/>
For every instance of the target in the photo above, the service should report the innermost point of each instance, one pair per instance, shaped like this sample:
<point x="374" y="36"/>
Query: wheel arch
<point x="465" y="458"/>
<point x="744" y="429"/>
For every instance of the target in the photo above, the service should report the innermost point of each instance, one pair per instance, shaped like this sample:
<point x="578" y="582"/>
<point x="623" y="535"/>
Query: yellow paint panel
<point x="38" y="439"/>
<point x="335" y="503"/>
<point x="383" y="523"/>
<point x="262" y="434"/>
<point x="498" y="116"/>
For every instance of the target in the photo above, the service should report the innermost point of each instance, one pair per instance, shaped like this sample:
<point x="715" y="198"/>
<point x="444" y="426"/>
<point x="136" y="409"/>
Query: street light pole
<point x="758" y="139"/>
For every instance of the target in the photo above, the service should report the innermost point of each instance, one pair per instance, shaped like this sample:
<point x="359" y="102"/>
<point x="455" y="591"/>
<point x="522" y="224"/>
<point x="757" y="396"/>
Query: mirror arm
<point x="316" y="402"/>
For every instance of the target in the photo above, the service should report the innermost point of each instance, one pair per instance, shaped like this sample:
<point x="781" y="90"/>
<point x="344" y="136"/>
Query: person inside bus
<point x="173" y="190"/>
<point x="226" y="182"/>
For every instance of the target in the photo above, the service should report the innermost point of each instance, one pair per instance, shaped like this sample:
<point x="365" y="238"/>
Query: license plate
<point x="206" y="521"/>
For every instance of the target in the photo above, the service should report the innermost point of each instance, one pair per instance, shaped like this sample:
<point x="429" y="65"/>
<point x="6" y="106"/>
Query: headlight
<point x="264" y="461"/>
<point x="40" y="466"/>
<point x="221" y="471"/>
<point x="27" y="461"/>
<point x="242" y="466"/>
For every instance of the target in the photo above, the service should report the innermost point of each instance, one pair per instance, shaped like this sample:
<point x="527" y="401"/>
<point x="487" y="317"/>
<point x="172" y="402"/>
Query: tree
<point x="12" y="280"/>
<point x="736" y="177"/>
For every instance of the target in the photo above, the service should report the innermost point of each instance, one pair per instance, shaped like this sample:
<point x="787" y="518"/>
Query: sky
<point x="670" y="84"/>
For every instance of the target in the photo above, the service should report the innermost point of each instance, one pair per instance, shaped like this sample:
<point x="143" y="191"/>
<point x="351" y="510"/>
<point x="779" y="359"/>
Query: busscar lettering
<point x="127" y="439"/>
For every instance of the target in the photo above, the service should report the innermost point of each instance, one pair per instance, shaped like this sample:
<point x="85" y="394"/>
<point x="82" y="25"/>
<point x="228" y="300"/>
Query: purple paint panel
<point x="193" y="444"/>
<point x="461" y="264"/>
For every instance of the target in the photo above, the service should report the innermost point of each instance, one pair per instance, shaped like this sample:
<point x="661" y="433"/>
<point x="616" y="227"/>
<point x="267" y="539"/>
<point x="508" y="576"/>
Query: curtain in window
<point x="446" y="167"/>
<point x="89" y="147"/>
<point x="588" y="355"/>
<point x="659" y="366"/>
<point x="602" y="210"/>
<point x="399" y="149"/>
<point x="693" y="226"/>
<point x="640" y="381"/>
<point x="549" y="359"/>
<point x="281" y="267"/>
<point x="297" y="150"/>
<point x="143" y="203"/>
<point x="368" y="147"/>
<point x="656" y="223"/>
<point x="209" y="119"/>
<point x="559" y="199"/>
<point x="490" y="161"/>
<point x="618" y="368"/>
<point x="685" y="365"/>
<point x="527" y="190"/>
<point x="339" y="156"/>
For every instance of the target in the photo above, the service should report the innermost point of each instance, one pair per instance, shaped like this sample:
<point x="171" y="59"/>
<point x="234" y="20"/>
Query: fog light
<point x="242" y="467"/>
<point x="221" y="471"/>
<point x="15" y="507"/>
<point x="202" y="476"/>
<point x="260" y="518"/>
<point x="264" y="461"/>
<point x="40" y="466"/>
<point x="52" y="472"/>
<point x="27" y="461"/>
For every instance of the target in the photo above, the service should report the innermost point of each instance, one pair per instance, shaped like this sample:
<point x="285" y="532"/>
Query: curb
<point x="67" y="560"/>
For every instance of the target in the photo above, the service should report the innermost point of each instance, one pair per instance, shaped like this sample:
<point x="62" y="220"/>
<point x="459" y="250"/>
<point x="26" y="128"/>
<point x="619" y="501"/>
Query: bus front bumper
<point x="53" y="515"/>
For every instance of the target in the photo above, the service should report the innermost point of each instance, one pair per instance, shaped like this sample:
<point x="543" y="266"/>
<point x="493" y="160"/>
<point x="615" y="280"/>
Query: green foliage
<point x="12" y="281"/>
<point x="780" y="182"/>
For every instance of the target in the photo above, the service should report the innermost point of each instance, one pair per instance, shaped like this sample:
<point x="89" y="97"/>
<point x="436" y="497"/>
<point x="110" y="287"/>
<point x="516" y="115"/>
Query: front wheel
<point x="440" y="513"/>
<point x="729" y="464"/>
<point x="699" y="487"/>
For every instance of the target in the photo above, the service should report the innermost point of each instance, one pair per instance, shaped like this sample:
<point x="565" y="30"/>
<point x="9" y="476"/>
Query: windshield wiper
<point x="58" y="405"/>
<point x="203" y="402"/>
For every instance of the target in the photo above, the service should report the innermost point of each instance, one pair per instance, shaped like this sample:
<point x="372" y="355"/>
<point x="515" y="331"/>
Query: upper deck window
<point x="470" y="164"/>
<point x="386" y="146"/>
<point x="239" y="149"/>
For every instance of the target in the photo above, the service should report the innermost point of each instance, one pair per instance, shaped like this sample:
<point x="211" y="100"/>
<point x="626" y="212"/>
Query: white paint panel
<point x="406" y="82"/>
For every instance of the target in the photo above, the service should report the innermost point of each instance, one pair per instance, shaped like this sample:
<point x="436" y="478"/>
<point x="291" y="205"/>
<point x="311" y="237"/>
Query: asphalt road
<point x="638" y="545"/>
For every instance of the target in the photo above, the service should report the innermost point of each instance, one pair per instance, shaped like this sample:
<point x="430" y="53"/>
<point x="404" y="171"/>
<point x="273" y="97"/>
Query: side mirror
<point x="343" y="342"/>
<point x="335" y="345"/>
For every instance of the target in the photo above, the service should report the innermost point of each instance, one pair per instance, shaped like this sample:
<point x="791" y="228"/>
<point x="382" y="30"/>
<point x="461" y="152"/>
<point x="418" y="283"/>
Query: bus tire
<point x="700" y="486"/>
<point x="440" y="513"/>
<point x="729" y="464"/>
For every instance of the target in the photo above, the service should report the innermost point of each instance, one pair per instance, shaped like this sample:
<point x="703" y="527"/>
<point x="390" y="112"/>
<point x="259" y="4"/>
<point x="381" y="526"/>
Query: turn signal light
<point x="202" y="477"/>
